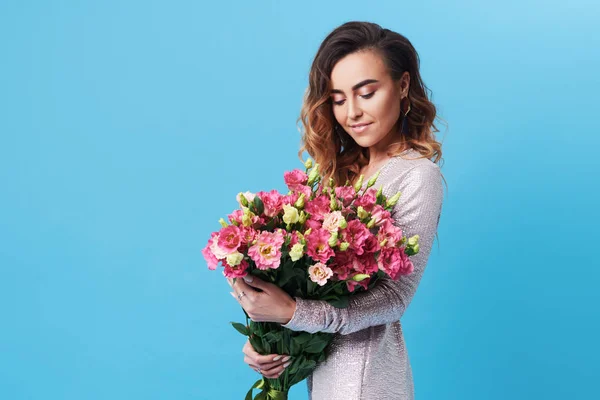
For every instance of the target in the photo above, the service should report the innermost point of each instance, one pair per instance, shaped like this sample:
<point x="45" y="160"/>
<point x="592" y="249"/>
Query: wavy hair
<point x="338" y="155"/>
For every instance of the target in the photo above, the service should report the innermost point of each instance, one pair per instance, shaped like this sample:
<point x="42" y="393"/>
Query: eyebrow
<point x="358" y="85"/>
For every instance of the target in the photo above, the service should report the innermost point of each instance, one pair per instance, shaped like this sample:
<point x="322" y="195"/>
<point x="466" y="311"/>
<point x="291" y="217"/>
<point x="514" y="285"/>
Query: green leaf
<point x="241" y="328"/>
<point x="258" y="205"/>
<point x="316" y="347"/>
<point x="256" y="343"/>
<point x="272" y="337"/>
<point x="302" y="338"/>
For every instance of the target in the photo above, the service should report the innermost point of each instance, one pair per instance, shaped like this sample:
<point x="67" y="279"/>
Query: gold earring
<point x="408" y="109"/>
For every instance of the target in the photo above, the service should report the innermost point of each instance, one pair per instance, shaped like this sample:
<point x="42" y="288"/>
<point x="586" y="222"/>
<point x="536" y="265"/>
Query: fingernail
<point x="286" y="358"/>
<point x="228" y="281"/>
<point x="276" y="358"/>
<point x="248" y="278"/>
<point x="233" y="295"/>
<point x="287" y="364"/>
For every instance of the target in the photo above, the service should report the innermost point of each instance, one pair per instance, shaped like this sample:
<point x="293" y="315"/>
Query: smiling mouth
<point x="360" y="128"/>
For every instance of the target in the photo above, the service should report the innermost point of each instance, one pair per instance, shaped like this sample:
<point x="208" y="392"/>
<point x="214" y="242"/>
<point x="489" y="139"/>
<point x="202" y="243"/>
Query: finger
<point x="260" y="359"/>
<point x="256" y="282"/>
<point x="273" y="371"/>
<point x="241" y="286"/>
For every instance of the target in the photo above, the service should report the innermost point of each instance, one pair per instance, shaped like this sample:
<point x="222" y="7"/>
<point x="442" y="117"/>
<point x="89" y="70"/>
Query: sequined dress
<point x="367" y="358"/>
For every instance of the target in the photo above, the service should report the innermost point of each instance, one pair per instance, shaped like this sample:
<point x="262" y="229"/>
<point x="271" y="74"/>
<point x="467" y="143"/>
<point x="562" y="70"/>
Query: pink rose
<point x="317" y="247"/>
<point x="229" y="239"/>
<point x="346" y="194"/>
<point x="379" y="214"/>
<point x="236" y="216"/>
<point x="289" y="199"/>
<point x="355" y="234"/>
<point x="371" y="245"/>
<point x="394" y="262"/>
<point x="312" y="224"/>
<point x="266" y="253"/>
<point x="210" y="258"/>
<point x="272" y="201"/>
<point x="236" y="271"/>
<point x="366" y="264"/>
<point x="367" y="200"/>
<point x="304" y="189"/>
<point x="248" y="234"/>
<point x="317" y="207"/>
<point x="389" y="231"/>
<point x="295" y="178"/>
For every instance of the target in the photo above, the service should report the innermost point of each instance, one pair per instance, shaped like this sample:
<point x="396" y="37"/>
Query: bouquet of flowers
<point x="318" y="241"/>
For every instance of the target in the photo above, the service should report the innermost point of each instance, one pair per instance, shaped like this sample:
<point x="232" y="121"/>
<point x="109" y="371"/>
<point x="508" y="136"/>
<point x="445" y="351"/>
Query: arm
<point x="417" y="212"/>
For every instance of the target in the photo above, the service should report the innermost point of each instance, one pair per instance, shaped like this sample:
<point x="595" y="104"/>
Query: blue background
<point x="128" y="127"/>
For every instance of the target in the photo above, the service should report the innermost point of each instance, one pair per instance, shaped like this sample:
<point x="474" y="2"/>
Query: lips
<point x="359" y="128"/>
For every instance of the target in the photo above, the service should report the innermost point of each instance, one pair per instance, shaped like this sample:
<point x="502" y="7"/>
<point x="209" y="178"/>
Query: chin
<point x="365" y="141"/>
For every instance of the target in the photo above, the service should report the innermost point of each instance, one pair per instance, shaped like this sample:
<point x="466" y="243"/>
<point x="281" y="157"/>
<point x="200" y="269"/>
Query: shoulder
<point x="411" y="167"/>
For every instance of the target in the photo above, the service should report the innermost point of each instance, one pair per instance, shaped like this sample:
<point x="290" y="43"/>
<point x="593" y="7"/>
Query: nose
<point x="354" y="110"/>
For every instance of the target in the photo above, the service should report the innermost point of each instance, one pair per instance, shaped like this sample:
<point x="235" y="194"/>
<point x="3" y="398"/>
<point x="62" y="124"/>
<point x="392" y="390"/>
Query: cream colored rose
<point x="333" y="221"/>
<point x="297" y="252"/>
<point x="320" y="273"/>
<point x="290" y="214"/>
<point x="235" y="258"/>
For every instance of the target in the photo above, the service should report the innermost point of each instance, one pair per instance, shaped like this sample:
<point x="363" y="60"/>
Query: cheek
<point x="387" y="111"/>
<point x="339" y="115"/>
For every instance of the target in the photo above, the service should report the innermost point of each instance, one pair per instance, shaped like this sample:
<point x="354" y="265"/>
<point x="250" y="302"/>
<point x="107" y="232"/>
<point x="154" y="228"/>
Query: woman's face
<point x="364" y="93"/>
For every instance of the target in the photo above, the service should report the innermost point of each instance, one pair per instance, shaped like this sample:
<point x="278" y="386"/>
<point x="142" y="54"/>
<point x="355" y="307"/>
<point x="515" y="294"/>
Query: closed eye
<point x="364" y="96"/>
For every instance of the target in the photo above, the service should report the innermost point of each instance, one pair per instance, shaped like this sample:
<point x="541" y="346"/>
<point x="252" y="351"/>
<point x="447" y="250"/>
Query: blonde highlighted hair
<point x="338" y="155"/>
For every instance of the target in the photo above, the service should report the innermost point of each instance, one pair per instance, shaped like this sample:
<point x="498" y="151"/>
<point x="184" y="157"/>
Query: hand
<point x="270" y="365"/>
<point x="270" y="305"/>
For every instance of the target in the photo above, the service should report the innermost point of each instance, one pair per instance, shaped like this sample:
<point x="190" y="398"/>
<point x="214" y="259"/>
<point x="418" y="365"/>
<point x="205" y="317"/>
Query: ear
<point x="405" y="82"/>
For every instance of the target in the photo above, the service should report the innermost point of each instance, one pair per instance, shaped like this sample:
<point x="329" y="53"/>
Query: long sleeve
<point x="417" y="212"/>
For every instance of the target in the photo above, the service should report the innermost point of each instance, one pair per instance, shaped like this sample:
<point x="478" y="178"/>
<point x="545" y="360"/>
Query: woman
<point x="366" y="110"/>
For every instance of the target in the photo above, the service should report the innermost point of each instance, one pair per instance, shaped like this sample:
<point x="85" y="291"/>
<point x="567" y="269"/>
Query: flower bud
<point x="371" y="181"/>
<point x="247" y="217"/>
<point x="362" y="213"/>
<point x="333" y="239"/>
<point x="313" y="175"/>
<point x="242" y="199"/>
<point x="308" y="164"/>
<point x="301" y="238"/>
<point x="360" y="277"/>
<point x="223" y="223"/>
<point x="343" y="223"/>
<point x="302" y="217"/>
<point x="359" y="183"/>
<point x="333" y="205"/>
<point x="371" y="223"/>
<point x="344" y="246"/>
<point x="331" y="183"/>
<point x="393" y="200"/>
<point x="413" y="240"/>
<point x="300" y="202"/>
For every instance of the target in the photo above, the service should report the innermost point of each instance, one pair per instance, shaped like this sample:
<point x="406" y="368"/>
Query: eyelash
<point x="364" y="96"/>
